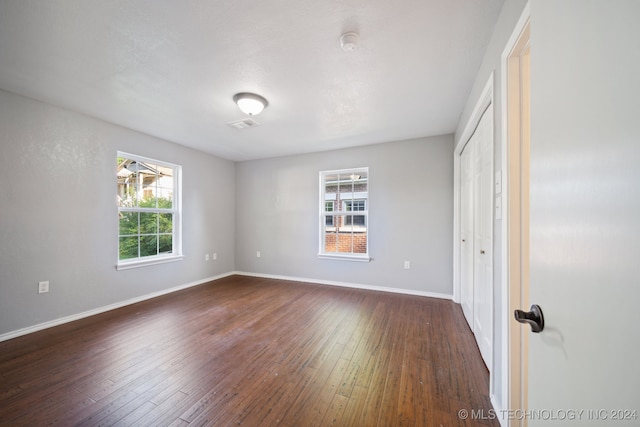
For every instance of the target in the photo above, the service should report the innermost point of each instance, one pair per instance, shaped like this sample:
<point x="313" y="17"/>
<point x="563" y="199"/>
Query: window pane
<point x="148" y="223"/>
<point x="128" y="247"/>
<point x="165" y="223"/>
<point x="165" y="187"/>
<point x="148" y="245"/>
<point x="148" y="200"/>
<point x="166" y="243"/>
<point x="344" y="242"/>
<point x="347" y="222"/>
<point x="359" y="243"/>
<point x="330" y="241"/>
<point x="128" y="223"/>
<point x="357" y="221"/>
<point x="331" y="184"/>
<point x="329" y="220"/>
<point x="165" y="198"/>
<point x="126" y="193"/>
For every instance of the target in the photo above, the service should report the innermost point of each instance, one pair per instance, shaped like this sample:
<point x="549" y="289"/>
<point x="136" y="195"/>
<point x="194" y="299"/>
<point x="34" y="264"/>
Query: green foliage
<point x="146" y="233"/>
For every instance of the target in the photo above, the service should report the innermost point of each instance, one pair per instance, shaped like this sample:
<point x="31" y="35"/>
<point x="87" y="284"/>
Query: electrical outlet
<point x="206" y="257"/>
<point x="43" y="287"/>
<point x="407" y="265"/>
<point x="215" y="256"/>
<point x="258" y="254"/>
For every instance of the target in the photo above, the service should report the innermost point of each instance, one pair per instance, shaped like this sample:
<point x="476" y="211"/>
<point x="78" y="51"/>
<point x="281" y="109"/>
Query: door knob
<point x="534" y="318"/>
<point x="482" y="252"/>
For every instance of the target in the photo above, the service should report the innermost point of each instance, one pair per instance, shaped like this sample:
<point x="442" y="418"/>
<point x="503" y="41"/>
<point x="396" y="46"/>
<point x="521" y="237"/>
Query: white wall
<point x="58" y="215"/>
<point x="511" y="11"/>
<point x="585" y="208"/>
<point x="410" y="215"/>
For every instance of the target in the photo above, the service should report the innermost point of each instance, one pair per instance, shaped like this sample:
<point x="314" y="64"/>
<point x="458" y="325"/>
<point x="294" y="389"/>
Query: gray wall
<point x="410" y="215"/>
<point x="511" y="11"/>
<point x="59" y="218"/>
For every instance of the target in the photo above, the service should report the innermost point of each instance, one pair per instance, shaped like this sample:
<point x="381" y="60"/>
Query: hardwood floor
<point x="253" y="352"/>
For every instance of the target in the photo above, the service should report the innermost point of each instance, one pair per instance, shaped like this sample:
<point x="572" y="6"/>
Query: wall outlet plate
<point x="43" y="287"/>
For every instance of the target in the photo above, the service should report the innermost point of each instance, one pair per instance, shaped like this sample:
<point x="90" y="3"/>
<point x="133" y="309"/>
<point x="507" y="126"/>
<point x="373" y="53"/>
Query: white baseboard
<point x="67" y="319"/>
<point x="498" y="411"/>
<point x="348" y="285"/>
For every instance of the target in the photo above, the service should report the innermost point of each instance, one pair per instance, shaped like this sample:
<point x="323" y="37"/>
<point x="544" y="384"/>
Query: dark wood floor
<point x="253" y="352"/>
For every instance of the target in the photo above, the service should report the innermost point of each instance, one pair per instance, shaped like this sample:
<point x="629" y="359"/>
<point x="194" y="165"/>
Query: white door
<point x="585" y="212"/>
<point x="476" y="233"/>
<point x="483" y="236"/>
<point x="466" y="231"/>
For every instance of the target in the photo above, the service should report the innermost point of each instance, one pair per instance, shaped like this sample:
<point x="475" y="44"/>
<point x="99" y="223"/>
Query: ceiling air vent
<point x="244" y="124"/>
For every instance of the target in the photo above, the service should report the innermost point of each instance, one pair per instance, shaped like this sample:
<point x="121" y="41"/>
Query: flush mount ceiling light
<point x="250" y="103"/>
<point x="349" y="41"/>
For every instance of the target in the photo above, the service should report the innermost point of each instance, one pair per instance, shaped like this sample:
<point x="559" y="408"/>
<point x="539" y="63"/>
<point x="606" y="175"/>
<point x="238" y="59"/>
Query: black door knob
<point x="534" y="318"/>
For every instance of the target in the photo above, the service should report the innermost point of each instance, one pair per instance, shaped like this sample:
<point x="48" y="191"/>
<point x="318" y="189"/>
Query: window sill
<point x="345" y="257"/>
<point x="126" y="265"/>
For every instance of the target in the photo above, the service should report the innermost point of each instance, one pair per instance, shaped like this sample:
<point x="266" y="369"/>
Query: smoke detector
<point x="349" y="41"/>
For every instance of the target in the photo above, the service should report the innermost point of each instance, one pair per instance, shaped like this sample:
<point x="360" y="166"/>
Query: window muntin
<point x="148" y="210"/>
<point x="344" y="234"/>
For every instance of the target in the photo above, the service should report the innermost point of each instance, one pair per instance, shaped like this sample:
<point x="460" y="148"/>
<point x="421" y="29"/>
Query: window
<point x="148" y="211"/>
<point x="344" y="214"/>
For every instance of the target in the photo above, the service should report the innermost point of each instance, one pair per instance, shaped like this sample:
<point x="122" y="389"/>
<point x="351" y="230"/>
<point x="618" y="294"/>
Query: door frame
<point x="514" y="338"/>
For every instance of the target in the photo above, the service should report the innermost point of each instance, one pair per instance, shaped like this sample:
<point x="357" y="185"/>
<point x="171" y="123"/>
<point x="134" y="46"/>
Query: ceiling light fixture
<point x="250" y="103"/>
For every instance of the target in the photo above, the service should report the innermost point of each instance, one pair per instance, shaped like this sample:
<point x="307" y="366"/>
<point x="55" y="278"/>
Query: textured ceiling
<point x="170" y="68"/>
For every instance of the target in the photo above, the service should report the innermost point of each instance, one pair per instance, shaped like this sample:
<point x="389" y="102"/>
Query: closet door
<point x="483" y="236"/>
<point x="466" y="231"/>
<point x="476" y="234"/>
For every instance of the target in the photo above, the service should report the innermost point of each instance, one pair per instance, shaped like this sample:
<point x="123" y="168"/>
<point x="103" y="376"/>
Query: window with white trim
<point x="149" y="211"/>
<point x="344" y="215"/>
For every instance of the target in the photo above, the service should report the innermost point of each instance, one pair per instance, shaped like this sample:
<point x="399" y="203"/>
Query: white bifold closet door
<point x="476" y="230"/>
